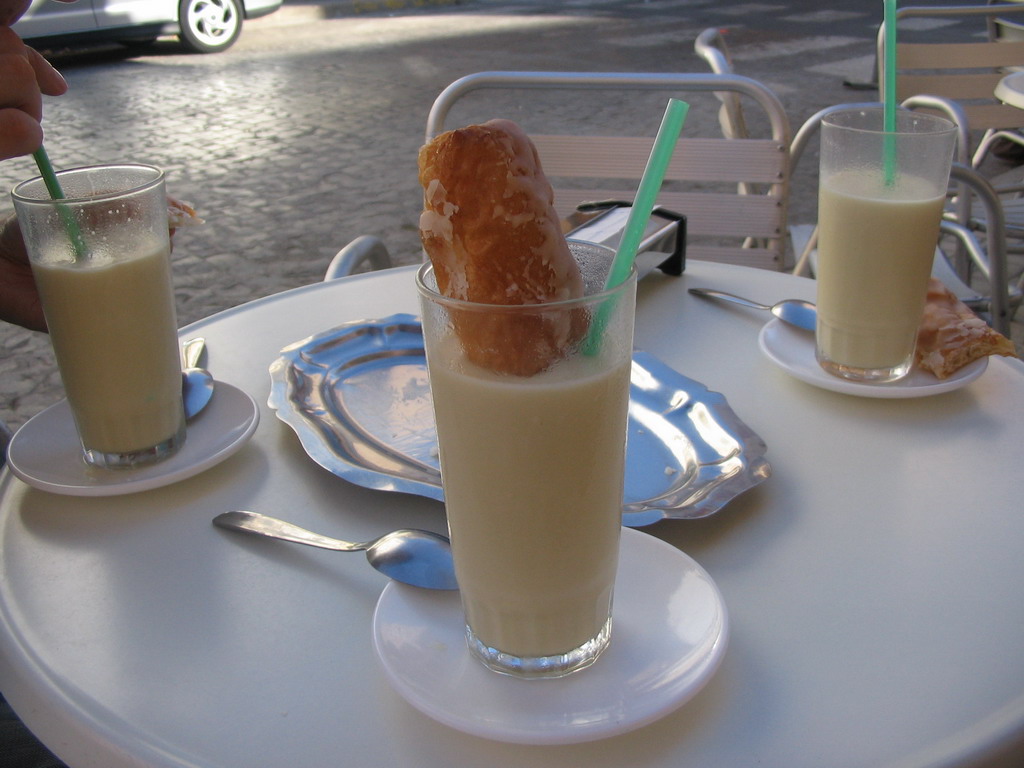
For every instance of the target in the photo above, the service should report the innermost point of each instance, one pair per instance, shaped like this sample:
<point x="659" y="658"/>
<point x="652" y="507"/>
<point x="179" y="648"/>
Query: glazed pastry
<point x="491" y="231"/>
<point x="181" y="214"/>
<point x="951" y="335"/>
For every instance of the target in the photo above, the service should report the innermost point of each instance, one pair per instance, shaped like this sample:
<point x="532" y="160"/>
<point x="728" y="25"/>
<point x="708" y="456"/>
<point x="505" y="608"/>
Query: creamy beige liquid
<point x="114" y="332"/>
<point x="533" y="490"/>
<point x="876" y="247"/>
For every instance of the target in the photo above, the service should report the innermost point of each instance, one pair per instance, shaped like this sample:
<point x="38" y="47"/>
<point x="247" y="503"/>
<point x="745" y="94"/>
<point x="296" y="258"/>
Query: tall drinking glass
<point x="879" y="207"/>
<point x="101" y="259"/>
<point x="533" y="469"/>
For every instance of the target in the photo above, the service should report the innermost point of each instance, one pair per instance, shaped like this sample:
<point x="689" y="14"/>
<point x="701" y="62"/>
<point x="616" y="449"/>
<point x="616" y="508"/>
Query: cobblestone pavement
<point x="303" y="136"/>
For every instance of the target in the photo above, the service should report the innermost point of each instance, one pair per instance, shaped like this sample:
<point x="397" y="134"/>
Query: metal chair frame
<point x="608" y="167"/>
<point x="364" y="250"/>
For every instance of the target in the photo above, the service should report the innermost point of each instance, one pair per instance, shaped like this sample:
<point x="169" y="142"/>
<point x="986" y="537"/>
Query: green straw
<point x="54" y="188"/>
<point x="889" y="104"/>
<point x="640" y="212"/>
<point x="647" y="192"/>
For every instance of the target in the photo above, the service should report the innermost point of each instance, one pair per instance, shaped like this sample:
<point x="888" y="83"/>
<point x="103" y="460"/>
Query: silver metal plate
<point x="358" y="398"/>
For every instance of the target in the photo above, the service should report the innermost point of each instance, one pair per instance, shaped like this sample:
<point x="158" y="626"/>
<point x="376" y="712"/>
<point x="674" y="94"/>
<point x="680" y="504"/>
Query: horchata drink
<point x="533" y="473"/>
<point x="101" y="259"/>
<point x="879" y="208"/>
<point x="872" y="229"/>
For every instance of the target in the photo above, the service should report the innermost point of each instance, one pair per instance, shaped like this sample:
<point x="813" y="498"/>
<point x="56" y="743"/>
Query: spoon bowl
<point x="196" y="383"/>
<point x="796" y="312"/>
<point x="409" y="555"/>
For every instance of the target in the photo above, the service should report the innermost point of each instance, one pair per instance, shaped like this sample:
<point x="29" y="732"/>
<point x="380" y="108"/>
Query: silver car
<point x="204" y="26"/>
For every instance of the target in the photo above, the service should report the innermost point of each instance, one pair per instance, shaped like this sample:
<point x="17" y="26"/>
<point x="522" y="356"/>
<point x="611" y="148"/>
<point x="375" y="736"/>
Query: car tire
<point x="209" y="26"/>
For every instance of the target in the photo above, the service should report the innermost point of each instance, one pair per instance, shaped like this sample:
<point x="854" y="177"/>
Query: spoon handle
<point x="193" y="350"/>
<point x="253" y="522"/>
<point x="727" y="297"/>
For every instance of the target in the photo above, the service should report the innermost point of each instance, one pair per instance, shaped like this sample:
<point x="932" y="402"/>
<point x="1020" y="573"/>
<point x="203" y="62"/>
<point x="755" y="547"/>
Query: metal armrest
<point x="360" y="251"/>
<point x="995" y="232"/>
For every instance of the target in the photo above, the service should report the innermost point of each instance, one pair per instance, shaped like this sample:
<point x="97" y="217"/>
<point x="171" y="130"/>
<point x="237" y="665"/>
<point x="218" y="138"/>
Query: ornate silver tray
<point x="358" y="398"/>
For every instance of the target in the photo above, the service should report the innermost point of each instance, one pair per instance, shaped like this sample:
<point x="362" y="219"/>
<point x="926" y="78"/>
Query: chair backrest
<point x="966" y="72"/>
<point x="570" y="127"/>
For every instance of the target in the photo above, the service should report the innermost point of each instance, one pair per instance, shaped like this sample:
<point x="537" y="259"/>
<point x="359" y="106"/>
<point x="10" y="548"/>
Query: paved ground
<point x="304" y="135"/>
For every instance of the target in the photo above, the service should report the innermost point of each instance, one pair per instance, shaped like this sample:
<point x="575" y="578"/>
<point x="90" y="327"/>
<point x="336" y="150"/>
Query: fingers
<point x="11" y="11"/>
<point x="18" y="86"/>
<point x="24" y="77"/>
<point x="12" y="243"/>
<point x="19" y="134"/>
<point x="51" y="82"/>
<point x="19" y="298"/>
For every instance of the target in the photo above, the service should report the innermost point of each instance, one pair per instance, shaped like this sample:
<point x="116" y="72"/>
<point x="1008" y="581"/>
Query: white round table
<point x="874" y="582"/>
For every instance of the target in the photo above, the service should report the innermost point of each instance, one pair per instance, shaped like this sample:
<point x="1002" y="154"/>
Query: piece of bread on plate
<point x="952" y="336"/>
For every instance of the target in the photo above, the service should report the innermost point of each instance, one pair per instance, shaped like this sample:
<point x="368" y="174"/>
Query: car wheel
<point x="209" y="26"/>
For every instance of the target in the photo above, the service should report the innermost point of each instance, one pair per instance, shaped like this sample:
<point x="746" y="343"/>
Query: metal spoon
<point x="420" y="558"/>
<point x="196" y="383"/>
<point x="796" y="312"/>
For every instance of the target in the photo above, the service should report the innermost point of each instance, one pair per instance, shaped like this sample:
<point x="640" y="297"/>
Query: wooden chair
<point x="965" y="72"/>
<point x="703" y="176"/>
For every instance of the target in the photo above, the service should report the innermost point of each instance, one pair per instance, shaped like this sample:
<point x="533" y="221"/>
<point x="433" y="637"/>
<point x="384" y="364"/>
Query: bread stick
<point x="492" y="234"/>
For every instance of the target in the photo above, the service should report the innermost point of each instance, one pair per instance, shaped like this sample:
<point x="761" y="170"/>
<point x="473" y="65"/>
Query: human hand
<point x="19" y="297"/>
<point x="25" y="76"/>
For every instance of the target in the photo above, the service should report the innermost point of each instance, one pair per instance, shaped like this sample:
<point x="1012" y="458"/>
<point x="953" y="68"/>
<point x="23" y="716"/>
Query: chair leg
<point x="803" y="263"/>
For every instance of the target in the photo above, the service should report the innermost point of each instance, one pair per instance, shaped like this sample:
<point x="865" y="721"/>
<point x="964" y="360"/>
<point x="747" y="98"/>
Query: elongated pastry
<point x="490" y="229"/>
<point x="951" y="335"/>
<point x="181" y="214"/>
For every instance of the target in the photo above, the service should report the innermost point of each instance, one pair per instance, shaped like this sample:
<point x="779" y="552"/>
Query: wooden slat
<point x="965" y="55"/>
<point x="618" y="157"/>
<point x="957" y="87"/>
<point x="983" y="116"/>
<point x="727" y="215"/>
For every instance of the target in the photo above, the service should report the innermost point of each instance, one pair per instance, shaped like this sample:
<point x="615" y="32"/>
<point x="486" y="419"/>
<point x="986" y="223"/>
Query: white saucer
<point x="46" y="453"/>
<point x="793" y="351"/>
<point x="669" y="634"/>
